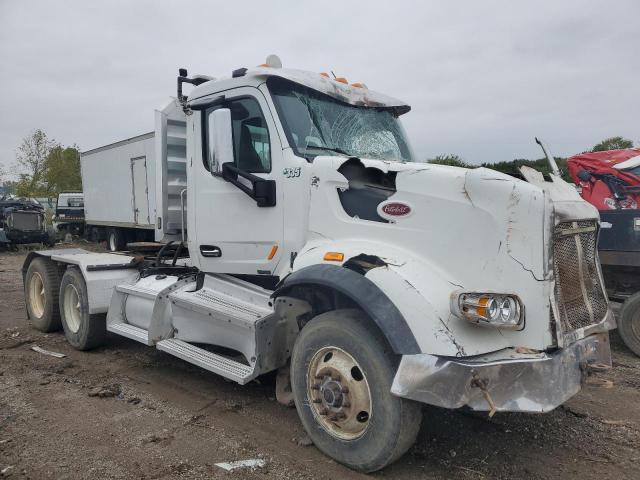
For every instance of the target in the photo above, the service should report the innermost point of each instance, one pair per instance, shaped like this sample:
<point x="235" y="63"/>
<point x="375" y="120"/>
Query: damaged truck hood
<point x="438" y="230"/>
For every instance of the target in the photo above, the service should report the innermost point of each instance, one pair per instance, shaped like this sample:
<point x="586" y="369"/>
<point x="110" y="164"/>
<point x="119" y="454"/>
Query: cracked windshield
<point x="317" y="124"/>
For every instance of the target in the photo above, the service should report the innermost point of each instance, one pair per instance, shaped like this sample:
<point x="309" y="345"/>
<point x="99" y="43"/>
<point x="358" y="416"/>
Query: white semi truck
<point x="310" y="241"/>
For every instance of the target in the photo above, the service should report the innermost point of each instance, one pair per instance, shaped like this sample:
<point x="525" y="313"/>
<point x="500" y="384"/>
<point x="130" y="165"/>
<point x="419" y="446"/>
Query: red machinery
<point x="610" y="181"/>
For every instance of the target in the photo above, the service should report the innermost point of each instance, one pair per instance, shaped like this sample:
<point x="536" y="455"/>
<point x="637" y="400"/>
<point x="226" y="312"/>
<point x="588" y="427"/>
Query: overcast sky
<point x="482" y="77"/>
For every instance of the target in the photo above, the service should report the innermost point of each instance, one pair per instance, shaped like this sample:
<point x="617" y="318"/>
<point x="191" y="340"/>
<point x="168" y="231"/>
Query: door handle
<point x="210" y="251"/>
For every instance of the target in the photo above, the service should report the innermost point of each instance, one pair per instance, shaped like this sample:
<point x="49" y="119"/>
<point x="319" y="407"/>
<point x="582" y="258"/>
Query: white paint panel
<point x="108" y="184"/>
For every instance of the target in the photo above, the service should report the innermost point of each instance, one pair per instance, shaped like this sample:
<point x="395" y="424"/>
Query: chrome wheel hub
<point x="339" y="393"/>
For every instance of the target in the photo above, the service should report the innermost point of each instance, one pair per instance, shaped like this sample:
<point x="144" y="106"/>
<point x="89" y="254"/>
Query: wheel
<point x="41" y="285"/>
<point x="116" y="239"/>
<point x="629" y="323"/>
<point x="83" y="331"/>
<point x="341" y="375"/>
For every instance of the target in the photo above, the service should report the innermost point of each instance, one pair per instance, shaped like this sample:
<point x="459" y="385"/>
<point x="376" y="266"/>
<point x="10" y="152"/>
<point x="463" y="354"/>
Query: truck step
<point x="226" y="367"/>
<point x="130" y="331"/>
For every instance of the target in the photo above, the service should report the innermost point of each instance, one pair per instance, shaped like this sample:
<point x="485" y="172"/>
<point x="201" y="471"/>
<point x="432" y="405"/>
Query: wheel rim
<point x="72" y="313"/>
<point x="37" y="298"/>
<point x="112" y="242"/>
<point x="339" y="394"/>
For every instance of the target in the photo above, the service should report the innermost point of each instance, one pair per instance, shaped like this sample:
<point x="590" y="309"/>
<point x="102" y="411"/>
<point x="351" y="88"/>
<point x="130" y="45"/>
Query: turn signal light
<point x="334" y="256"/>
<point x="272" y="253"/>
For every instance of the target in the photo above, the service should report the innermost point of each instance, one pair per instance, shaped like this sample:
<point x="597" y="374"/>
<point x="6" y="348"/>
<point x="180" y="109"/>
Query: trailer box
<point x="132" y="188"/>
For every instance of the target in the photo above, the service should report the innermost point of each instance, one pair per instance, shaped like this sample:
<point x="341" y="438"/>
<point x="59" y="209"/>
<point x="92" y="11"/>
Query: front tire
<point x="82" y="330"/>
<point x="41" y="285"/>
<point x="341" y="375"/>
<point x="629" y="323"/>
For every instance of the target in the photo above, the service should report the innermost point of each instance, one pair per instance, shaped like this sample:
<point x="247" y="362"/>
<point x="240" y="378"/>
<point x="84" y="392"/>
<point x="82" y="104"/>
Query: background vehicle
<point x="311" y="243"/>
<point x="610" y="181"/>
<point x="69" y="216"/>
<point x="123" y="202"/>
<point x="23" y="220"/>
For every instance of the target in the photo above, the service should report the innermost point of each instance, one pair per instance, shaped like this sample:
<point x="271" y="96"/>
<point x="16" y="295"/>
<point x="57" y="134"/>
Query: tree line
<point x="44" y="168"/>
<point x="47" y="168"/>
<point x="513" y="167"/>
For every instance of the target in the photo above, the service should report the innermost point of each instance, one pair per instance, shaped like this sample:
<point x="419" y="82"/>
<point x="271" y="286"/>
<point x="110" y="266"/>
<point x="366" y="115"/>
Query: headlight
<point x="488" y="309"/>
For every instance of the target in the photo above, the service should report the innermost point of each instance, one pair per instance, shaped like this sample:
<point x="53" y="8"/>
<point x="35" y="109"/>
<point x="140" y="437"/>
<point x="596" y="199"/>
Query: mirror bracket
<point x="263" y="191"/>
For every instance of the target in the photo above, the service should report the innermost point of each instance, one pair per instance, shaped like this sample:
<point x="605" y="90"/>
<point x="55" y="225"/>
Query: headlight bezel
<point x="489" y="309"/>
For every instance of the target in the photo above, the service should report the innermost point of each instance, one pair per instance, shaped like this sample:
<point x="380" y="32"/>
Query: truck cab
<point x="318" y="246"/>
<point x="69" y="215"/>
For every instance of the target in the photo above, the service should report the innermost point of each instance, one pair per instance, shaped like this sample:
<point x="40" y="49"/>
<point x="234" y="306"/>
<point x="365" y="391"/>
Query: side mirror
<point x="220" y="140"/>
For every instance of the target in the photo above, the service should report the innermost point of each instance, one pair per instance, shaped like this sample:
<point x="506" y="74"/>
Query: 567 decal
<point x="292" y="172"/>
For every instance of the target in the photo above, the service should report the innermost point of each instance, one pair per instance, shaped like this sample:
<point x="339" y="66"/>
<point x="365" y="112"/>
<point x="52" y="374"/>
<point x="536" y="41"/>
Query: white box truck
<point x="122" y="203"/>
<point x="315" y="245"/>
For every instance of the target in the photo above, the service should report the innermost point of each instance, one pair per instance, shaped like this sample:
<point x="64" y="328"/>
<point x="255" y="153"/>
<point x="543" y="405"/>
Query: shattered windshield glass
<point x="317" y="124"/>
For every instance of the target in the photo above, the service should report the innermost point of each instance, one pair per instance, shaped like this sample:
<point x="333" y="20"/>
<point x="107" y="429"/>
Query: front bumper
<point x="506" y="381"/>
<point x="23" y="237"/>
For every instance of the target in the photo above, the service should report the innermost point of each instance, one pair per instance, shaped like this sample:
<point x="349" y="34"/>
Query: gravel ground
<point x="126" y="411"/>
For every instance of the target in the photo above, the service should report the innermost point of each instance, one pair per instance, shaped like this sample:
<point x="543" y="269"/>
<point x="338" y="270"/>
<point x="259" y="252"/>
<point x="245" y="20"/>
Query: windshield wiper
<point x="330" y="149"/>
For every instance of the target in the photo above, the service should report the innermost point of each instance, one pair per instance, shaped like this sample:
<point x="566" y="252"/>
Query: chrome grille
<point x="578" y="287"/>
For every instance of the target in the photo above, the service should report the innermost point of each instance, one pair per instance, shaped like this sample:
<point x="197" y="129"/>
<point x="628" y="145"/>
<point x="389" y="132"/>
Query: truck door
<point x="232" y="233"/>
<point x="140" y="190"/>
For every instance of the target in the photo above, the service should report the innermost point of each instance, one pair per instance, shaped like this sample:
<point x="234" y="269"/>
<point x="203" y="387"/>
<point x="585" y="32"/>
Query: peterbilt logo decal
<point x="392" y="210"/>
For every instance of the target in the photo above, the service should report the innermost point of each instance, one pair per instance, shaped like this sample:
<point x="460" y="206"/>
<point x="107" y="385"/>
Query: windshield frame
<point x="312" y="151"/>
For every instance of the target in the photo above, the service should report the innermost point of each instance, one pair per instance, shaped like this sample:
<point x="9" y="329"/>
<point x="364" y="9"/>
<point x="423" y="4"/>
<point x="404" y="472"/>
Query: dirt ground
<point x="173" y="420"/>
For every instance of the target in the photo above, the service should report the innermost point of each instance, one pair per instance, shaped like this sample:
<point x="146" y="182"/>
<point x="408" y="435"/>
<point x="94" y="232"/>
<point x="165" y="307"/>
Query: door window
<point x="251" y="146"/>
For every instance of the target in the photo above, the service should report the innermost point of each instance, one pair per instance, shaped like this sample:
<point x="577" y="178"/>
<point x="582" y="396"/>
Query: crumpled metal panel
<point x="505" y="381"/>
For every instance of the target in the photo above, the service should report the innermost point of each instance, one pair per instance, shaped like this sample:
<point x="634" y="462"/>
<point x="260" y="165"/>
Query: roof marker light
<point x="341" y="80"/>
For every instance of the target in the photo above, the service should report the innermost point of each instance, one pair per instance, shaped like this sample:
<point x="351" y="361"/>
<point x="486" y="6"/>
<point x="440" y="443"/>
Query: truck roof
<point x="353" y="94"/>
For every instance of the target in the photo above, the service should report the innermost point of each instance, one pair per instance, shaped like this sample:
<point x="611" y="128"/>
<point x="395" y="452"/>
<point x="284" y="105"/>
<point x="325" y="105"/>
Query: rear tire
<point x="366" y="427"/>
<point x="83" y="331"/>
<point x="116" y="240"/>
<point x="41" y="284"/>
<point x="629" y="323"/>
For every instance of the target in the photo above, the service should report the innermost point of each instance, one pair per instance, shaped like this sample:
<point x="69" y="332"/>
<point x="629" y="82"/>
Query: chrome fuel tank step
<point x="236" y="371"/>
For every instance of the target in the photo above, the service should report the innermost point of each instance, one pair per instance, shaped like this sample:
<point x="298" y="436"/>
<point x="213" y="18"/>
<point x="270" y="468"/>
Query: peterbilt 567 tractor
<point x="299" y="234"/>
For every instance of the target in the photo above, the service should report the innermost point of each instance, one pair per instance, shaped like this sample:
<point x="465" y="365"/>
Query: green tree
<point x="512" y="167"/>
<point x="63" y="170"/>
<point x="449" y="159"/>
<point x="612" y="143"/>
<point x="31" y="159"/>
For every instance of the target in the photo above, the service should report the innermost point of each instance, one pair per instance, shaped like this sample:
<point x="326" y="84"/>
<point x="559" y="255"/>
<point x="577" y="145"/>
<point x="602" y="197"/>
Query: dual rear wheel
<point x="57" y="301"/>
